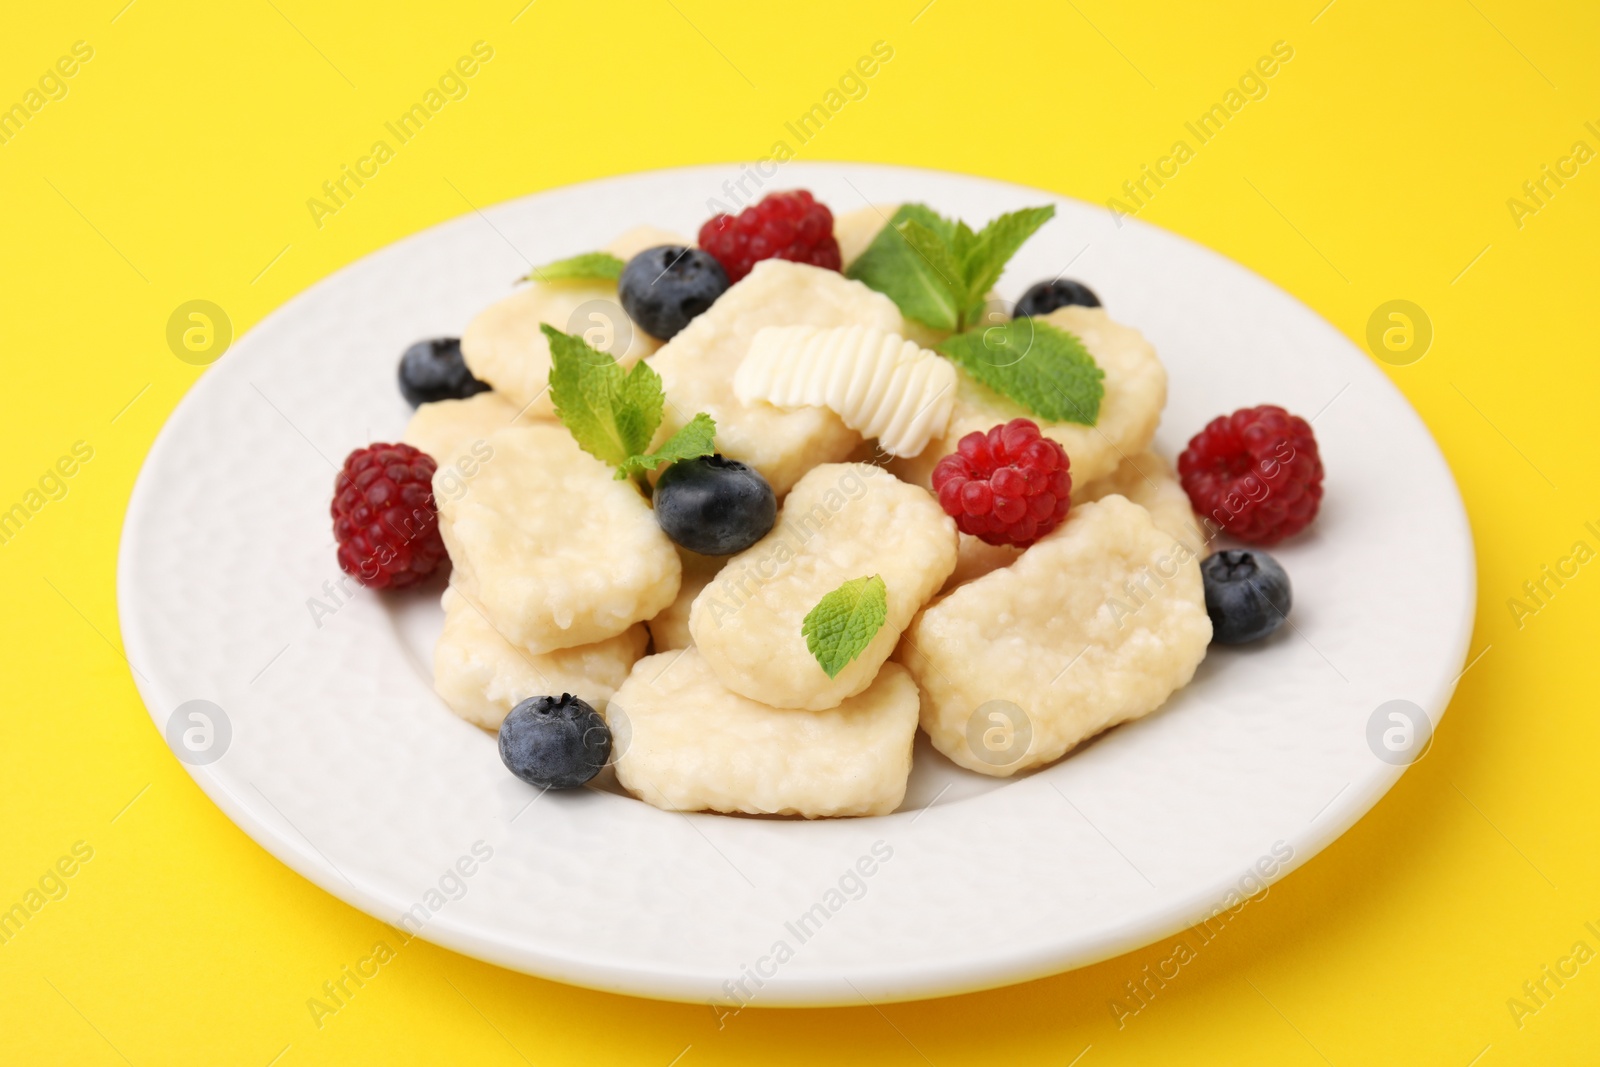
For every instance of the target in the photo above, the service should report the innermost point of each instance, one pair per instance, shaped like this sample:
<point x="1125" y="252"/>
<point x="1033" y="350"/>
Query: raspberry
<point x="790" y="226"/>
<point x="1255" y="473"/>
<point x="384" y="518"/>
<point x="1010" y="486"/>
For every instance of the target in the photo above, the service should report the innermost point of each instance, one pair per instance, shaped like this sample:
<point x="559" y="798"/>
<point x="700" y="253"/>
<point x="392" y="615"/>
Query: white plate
<point x="342" y="762"/>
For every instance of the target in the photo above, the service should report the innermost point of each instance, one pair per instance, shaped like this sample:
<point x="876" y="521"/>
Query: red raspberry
<point x="384" y="518"/>
<point x="1010" y="486"/>
<point x="1255" y="473"/>
<point x="790" y="226"/>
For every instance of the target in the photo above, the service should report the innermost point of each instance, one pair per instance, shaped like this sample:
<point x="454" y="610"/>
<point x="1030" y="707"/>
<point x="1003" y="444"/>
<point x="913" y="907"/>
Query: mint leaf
<point x="601" y="266"/>
<point x="936" y="269"/>
<point x="693" y="439"/>
<point x="845" y="621"/>
<point x="611" y="413"/>
<point x="996" y="243"/>
<point x="952" y="232"/>
<point x="945" y="290"/>
<point x="1042" y="367"/>
<point x="639" y="405"/>
<point x="894" y="267"/>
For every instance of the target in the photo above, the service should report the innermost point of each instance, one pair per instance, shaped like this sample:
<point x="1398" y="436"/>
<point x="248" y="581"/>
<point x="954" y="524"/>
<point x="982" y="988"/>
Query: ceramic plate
<point x="320" y="736"/>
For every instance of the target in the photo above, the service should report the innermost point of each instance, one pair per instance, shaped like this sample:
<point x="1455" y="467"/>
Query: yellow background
<point x="178" y="165"/>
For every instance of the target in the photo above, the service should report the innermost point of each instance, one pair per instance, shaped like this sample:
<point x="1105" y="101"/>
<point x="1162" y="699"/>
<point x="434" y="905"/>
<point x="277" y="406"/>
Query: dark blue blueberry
<point x="554" y="742"/>
<point x="434" y="370"/>
<point x="662" y="288"/>
<point x="1247" y="595"/>
<point x="1045" y="297"/>
<point x="714" y="506"/>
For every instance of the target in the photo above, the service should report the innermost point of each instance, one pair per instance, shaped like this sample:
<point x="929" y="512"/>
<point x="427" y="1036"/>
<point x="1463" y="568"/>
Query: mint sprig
<point x="613" y="414"/>
<point x="1045" y="369"/>
<point x="596" y="266"/>
<point x="693" y="439"/>
<point x="931" y="276"/>
<point x="938" y="270"/>
<point x="845" y="621"/>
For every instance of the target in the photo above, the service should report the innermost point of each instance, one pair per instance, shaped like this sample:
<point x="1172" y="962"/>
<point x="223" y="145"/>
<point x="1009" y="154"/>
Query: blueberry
<point x="1045" y="297"/>
<point x="434" y="370"/>
<point x="714" y="506"/>
<point x="662" y="288"/>
<point x="554" y="742"/>
<point x="1247" y="595"/>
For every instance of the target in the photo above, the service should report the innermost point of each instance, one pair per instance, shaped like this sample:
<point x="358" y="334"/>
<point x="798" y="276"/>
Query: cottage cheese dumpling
<point x="976" y="557"/>
<point x="482" y="676"/>
<point x="452" y="430"/>
<point x="670" y="629"/>
<point x="554" y="550"/>
<point x="640" y="238"/>
<point x="1097" y="623"/>
<point x="687" y="744"/>
<point x="1146" y="479"/>
<point x="1149" y="481"/>
<point x="842" y="521"/>
<point x="1135" y="392"/>
<point x="698" y="365"/>
<point x="505" y="347"/>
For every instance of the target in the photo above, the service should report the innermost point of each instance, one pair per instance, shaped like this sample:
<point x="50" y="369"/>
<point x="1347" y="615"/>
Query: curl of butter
<point x="880" y="384"/>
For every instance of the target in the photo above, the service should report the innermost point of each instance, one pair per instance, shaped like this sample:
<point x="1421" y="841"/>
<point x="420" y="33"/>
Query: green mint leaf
<point x="845" y="621"/>
<point x="1042" y="367"/>
<point x="640" y="402"/>
<point x="949" y="230"/>
<point x="996" y="243"/>
<point x="903" y="272"/>
<point x="611" y="413"/>
<point x="599" y="266"/>
<point x="936" y="269"/>
<point x="943" y="269"/>
<point x="693" y="439"/>
<point x="961" y="240"/>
